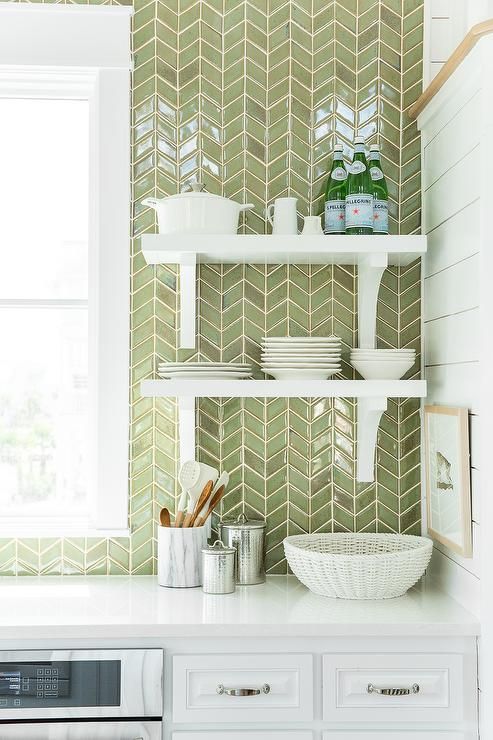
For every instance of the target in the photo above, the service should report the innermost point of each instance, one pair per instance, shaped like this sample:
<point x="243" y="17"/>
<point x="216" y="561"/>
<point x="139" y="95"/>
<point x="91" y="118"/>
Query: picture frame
<point x="447" y="474"/>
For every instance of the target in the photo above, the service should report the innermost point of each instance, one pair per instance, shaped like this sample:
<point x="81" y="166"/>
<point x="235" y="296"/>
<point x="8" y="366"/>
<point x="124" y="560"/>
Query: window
<point x="64" y="278"/>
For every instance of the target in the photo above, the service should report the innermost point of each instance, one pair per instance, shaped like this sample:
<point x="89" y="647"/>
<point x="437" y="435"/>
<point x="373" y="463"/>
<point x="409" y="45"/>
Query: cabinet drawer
<point x="208" y="688"/>
<point x="254" y="735"/>
<point x="352" y="685"/>
<point x="386" y="735"/>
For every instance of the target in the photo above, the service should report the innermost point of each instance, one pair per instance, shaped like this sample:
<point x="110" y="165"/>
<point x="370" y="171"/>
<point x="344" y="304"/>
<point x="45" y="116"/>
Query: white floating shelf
<point x="372" y="398"/>
<point x="284" y="388"/>
<point x="274" y="250"/>
<point x="372" y="254"/>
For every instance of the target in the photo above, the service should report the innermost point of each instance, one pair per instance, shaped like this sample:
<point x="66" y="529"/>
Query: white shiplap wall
<point x="457" y="149"/>
<point x="451" y="305"/>
<point x="446" y="24"/>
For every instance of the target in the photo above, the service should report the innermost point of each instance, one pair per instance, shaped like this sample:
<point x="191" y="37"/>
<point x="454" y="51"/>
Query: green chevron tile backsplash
<point x="248" y="96"/>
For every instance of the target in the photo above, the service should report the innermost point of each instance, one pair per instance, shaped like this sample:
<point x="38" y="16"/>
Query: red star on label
<point x="355" y="211"/>
<point x="341" y="217"/>
<point x="376" y="216"/>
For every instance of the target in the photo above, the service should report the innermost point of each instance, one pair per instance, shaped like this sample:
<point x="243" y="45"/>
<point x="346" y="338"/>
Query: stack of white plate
<point x="310" y="358"/>
<point x="382" y="364"/>
<point x="205" y="370"/>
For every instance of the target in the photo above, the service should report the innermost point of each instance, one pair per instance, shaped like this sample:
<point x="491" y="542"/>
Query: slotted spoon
<point x="187" y="478"/>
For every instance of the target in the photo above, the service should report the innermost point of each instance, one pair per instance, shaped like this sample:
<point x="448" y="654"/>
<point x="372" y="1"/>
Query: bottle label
<point x="356" y="167"/>
<point x="334" y="217"/>
<point x="380" y="216"/>
<point x="376" y="173"/>
<point x="338" y="174"/>
<point x="359" y="211"/>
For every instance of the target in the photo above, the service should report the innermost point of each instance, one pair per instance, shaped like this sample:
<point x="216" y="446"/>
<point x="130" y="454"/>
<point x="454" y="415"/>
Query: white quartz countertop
<point x="136" y="606"/>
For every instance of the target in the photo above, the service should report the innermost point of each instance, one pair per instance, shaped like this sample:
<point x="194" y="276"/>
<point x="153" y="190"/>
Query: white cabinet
<point x="82" y="731"/>
<point x="309" y="688"/>
<point x="253" y="735"/>
<point x="243" y="688"/>
<point x="393" y="688"/>
<point x="399" y="735"/>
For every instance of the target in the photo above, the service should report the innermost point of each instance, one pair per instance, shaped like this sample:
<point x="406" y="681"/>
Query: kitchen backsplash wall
<point x="248" y="97"/>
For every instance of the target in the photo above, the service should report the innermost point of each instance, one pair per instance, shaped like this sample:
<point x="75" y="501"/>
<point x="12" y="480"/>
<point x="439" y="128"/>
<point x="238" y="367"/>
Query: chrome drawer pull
<point x="243" y="692"/>
<point x="371" y="689"/>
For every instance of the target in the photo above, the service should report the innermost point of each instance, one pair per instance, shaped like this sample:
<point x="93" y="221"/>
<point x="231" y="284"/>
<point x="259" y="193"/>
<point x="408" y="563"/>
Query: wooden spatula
<point x="202" y="501"/>
<point x="200" y="521"/>
<point x="164" y="517"/>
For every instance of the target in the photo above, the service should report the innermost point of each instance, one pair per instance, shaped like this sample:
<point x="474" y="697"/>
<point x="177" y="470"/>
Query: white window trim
<point x="89" y="66"/>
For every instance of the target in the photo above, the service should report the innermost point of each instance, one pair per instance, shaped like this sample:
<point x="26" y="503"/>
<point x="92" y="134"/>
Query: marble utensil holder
<point x="179" y="556"/>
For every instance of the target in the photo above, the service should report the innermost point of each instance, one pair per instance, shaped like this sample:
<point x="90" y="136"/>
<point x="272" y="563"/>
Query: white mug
<point x="312" y="225"/>
<point x="285" y="220"/>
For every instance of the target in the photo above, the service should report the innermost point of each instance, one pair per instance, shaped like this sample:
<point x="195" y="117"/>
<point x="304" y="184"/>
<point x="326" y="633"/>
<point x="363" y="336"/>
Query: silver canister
<point x="218" y="569"/>
<point x="248" y="537"/>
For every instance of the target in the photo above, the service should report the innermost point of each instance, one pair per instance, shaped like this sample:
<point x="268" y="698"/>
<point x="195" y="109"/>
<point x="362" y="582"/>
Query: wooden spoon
<point x="201" y="520"/>
<point x="202" y="501"/>
<point x="164" y="517"/>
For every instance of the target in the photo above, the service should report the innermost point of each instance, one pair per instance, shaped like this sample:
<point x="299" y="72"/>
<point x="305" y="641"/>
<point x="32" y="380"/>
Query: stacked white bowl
<point x="310" y="358"/>
<point x="382" y="364"/>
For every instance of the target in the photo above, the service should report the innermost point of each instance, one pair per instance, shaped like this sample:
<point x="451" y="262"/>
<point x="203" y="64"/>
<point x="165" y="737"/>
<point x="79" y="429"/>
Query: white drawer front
<point x="254" y="735"/>
<point x="400" y="735"/>
<point x="348" y="677"/>
<point x="197" y="696"/>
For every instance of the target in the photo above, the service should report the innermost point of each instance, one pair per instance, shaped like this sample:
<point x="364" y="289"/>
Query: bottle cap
<point x="338" y="147"/>
<point x="359" y="139"/>
<point x="374" y="148"/>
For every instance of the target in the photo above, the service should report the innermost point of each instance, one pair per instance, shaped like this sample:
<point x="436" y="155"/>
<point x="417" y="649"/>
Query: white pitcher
<point x="312" y="225"/>
<point x="285" y="220"/>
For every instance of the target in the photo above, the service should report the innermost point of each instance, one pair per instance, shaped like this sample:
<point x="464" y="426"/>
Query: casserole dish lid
<point x="197" y="191"/>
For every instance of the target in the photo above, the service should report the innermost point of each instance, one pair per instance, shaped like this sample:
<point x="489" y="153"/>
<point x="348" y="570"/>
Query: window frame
<point x="90" y="71"/>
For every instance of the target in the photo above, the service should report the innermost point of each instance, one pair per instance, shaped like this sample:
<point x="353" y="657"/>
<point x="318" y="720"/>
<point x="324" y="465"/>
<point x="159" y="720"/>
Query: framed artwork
<point x="448" y="490"/>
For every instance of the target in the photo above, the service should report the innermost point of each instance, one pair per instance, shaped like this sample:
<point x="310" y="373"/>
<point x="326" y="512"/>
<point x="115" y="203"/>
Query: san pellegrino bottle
<point x="359" y="194"/>
<point x="335" y="195"/>
<point x="380" y="192"/>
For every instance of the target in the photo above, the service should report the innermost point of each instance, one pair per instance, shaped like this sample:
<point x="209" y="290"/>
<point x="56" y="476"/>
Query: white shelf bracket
<point x="186" y="427"/>
<point x="370" y="271"/>
<point x="370" y="412"/>
<point x="188" y="274"/>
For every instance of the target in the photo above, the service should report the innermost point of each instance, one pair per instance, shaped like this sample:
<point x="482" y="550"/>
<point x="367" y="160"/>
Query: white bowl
<point x="380" y="355"/>
<point x="383" y="369"/>
<point x="381" y="359"/>
<point x="384" y="351"/>
<point x="358" y="566"/>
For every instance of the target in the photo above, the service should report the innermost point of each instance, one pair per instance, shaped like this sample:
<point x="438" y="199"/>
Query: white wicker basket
<point x="358" y="566"/>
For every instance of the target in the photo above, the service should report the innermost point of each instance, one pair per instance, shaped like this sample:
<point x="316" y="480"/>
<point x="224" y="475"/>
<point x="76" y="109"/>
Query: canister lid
<point x="242" y="522"/>
<point x="218" y="548"/>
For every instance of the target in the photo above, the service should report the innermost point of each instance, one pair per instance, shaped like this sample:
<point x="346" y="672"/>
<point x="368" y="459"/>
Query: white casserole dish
<point x="197" y="212"/>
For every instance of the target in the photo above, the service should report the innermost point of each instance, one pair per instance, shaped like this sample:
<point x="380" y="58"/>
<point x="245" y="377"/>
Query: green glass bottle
<point x="359" y="193"/>
<point x="335" y="195"/>
<point x="380" y="192"/>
